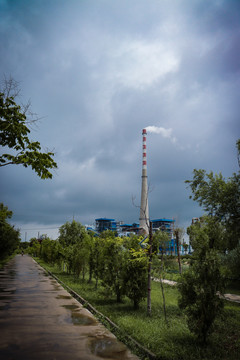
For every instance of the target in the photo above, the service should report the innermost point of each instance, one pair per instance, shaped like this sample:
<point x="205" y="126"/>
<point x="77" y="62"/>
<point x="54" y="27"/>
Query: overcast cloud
<point x="100" y="71"/>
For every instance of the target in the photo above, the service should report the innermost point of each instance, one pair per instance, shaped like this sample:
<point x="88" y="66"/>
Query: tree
<point x="106" y="234"/>
<point x="96" y="259"/>
<point x="200" y="285"/>
<point x="9" y="237"/>
<point x="220" y="198"/>
<point x="161" y="238"/>
<point x="179" y="234"/>
<point x="135" y="275"/>
<point x="232" y="261"/>
<point x="160" y="242"/>
<point x="48" y="250"/>
<point x="81" y="256"/>
<point x="14" y="134"/>
<point x="185" y="246"/>
<point x="71" y="233"/>
<point x="75" y="242"/>
<point x="34" y="248"/>
<point x="113" y="272"/>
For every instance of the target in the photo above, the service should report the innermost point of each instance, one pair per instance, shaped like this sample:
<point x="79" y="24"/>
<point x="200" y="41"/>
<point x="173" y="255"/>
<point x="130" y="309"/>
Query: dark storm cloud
<point x="98" y="72"/>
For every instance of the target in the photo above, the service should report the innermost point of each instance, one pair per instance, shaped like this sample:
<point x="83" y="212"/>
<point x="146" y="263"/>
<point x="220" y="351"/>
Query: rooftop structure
<point x="166" y="225"/>
<point x="103" y="224"/>
<point x="129" y="227"/>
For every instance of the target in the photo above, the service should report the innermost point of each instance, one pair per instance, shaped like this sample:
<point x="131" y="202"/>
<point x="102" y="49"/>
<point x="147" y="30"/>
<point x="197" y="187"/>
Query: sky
<point x="99" y="71"/>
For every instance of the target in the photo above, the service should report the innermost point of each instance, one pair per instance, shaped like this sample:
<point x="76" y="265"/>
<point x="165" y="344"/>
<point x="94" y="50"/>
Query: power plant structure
<point x="126" y="229"/>
<point x="144" y="210"/>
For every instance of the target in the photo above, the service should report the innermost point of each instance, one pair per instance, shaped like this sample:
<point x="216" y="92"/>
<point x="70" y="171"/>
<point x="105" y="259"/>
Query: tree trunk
<point x="164" y="302"/>
<point x="162" y="289"/>
<point x="149" y="309"/>
<point x="96" y="284"/>
<point x="83" y="273"/>
<point x="178" y="251"/>
<point x="119" y="297"/>
<point x="136" y="304"/>
<point x="90" y="276"/>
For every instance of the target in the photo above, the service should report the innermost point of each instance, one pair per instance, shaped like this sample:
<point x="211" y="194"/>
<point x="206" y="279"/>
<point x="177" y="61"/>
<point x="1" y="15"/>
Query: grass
<point x="4" y="261"/>
<point x="168" y="341"/>
<point x="233" y="287"/>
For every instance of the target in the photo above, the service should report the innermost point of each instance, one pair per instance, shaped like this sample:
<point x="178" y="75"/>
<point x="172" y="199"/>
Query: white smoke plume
<point x="167" y="133"/>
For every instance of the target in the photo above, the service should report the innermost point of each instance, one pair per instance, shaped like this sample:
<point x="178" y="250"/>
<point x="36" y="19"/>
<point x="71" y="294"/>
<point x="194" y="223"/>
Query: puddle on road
<point x="56" y="288"/>
<point x="7" y="290"/>
<point x="63" y="297"/>
<point x="10" y="290"/>
<point x="79" y="319"/>
<point x="71" y="307"/>
<point x="76" y="318"/>
<point x="4" y="307"/>
<point x="108" y="348"/>
<point x="7" y="296"/>
<point x="12" y="273"/>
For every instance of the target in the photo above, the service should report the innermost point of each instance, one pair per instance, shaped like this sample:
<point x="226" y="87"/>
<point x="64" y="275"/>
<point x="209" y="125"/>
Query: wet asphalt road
<point x="40" y="320"/>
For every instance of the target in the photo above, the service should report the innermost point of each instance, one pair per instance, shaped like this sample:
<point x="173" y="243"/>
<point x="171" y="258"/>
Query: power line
<point x="50" y="228"/>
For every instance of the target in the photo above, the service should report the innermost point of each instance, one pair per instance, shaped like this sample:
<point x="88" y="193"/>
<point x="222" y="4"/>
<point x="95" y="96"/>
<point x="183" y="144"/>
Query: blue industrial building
<point x="166" y="225"/>
<point x="103" y="224"/>
<point x="123" y="229"/>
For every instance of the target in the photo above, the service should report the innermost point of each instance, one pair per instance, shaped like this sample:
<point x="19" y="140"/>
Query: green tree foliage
<point x="232" y="263"/>
<point x="23" y="245"/>
<point x="199" y="287"/>
<point x="106" y="234"/>
<point x="9" y="237"/>
<point x="118" y="263"/>
<point x="34" y="248"/>
<point x="14" y="134"/>
<point x="220" y="198"/>
<point x="160" y="242"/>
<point x="178" y="232"/>
<point x="135" y="276"/>
<point x="75" y="242"/>
<point x="49" y="250"/>
<point x="112" y="275"/>
<point x="97" y="258"/>
<point x="123" y="268"/>
<point x="71" y="233"/>
<point x="80" y="257"/>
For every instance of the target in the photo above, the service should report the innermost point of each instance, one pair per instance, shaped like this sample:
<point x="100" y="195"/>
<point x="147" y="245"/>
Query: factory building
<point x="103" y="224"/>
<point x="166" y="225"/>
<point x="128" y="229"/>
<point x="124" y="229"/>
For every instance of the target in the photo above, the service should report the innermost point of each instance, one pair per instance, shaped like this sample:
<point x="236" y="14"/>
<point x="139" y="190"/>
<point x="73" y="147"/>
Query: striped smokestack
<point x="144" y="212"/>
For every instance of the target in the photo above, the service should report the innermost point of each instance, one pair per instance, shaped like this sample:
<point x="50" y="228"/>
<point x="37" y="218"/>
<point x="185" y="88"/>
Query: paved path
<point x="229" y="297"/>
<point x="40" y="320"/>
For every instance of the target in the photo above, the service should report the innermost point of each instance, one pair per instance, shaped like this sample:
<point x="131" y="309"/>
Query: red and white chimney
<point x="144" y="211"/>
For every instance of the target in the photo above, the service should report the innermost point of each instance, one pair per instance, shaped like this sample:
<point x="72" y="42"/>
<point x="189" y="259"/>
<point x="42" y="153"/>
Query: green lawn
<point x="233" y="287"/>
<point x="167" y="341"/>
